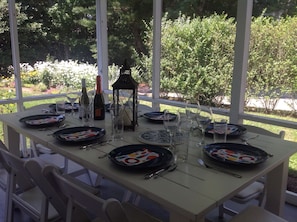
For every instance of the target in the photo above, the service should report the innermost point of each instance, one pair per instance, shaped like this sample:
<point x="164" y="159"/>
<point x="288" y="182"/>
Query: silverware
<point x="245" y="140"/>
<point x="89" y="146"/>
<point x="202" y="163"/>
<point x="155" y="174"/>
<point x="51" y="128"/>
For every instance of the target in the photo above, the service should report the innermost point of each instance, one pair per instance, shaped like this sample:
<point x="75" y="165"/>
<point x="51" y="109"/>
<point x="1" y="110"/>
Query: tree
<point x="275" y="8"/>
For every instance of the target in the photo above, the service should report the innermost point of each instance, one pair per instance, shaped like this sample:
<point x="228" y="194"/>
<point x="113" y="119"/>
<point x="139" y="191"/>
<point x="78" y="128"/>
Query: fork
<point x="202" y="163"/>
<point x="245" y="140"/>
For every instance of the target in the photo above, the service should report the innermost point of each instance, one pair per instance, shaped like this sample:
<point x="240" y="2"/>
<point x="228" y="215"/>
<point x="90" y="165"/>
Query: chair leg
<point x="9" y="206"/>
<point x="221" y="211"/>
<point x="127" y="196"/>
<point x="225" y="210"/>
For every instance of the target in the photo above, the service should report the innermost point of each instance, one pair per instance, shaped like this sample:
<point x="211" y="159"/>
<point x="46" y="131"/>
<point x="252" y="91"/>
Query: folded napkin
<point x="233" y="156"/>
<point x="79" y="135"/>
<point x="137" y="157"/>
<point x="43" y="120"/>
<point x="230" y="129"/>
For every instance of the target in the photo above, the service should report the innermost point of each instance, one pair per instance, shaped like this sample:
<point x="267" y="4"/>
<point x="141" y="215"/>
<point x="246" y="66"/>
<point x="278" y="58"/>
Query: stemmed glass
<point x="171" y="125"/>
<point x="203" y="121"/>
<point x="72" y="97"/>
<point x="192" y="111"/>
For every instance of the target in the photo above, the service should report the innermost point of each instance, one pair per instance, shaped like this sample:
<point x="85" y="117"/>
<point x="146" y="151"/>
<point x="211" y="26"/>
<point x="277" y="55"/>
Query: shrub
<point x="197" y="58"/>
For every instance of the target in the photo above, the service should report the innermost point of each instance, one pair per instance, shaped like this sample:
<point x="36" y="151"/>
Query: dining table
<point x="189" y="192"/>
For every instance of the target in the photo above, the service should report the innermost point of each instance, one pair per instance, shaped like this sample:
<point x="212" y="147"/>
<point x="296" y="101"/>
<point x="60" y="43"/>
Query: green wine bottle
<point x="84" y="101"/>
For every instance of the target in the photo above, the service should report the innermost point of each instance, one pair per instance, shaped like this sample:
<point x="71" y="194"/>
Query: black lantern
<point x="125" y="97"/>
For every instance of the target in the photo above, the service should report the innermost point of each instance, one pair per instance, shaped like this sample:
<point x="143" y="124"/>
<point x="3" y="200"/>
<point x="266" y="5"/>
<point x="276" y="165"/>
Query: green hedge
<point x="197" y="58"/>
<point x="198" y="55"/>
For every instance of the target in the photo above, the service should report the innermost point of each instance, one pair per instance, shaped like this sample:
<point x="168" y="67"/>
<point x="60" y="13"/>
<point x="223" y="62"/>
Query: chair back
<point x="34" y="168"/>
<point x="110" y="210"/>
<point x="15" y="167"/>
<point x="265" y="132"/>
<point x="2" y="160"/>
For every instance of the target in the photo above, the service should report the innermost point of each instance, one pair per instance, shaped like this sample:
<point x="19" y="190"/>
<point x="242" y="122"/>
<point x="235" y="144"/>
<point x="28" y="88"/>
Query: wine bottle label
<point x="98" y="112"/>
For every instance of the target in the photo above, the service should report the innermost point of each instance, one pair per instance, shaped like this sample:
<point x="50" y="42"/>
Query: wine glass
<point x="203" y="121"/>
<point x="72" y="97"/>
<point x="192" y="110"/>
<point x="171" y="124"/>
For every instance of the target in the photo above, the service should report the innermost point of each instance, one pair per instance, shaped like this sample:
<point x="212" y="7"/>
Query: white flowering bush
<point x="66" y="73"/>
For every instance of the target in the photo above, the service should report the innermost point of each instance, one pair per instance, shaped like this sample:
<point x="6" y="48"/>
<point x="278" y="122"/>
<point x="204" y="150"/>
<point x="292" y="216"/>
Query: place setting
<point x="158" y="117"/>
<point x="43" y="120"/>
<point x="224" y="154"/>
<point x="83" y="136"/>
<point x="152" y="160"/>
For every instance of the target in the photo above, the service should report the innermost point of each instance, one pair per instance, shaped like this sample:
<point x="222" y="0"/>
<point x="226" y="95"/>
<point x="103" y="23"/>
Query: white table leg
<point x="276" y="188"/>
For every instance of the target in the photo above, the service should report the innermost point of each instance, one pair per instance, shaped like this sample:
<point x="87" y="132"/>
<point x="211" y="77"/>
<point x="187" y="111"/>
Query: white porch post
<point x="157" y="16"/>
<point x="15" y="54"/>
<point x="17" y="73"/>
<point x="102" y="44"/>
<point x="244" y="14"/>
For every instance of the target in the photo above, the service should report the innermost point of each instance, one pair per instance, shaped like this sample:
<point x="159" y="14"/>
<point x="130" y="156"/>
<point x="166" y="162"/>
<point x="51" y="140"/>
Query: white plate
<point x="157" y="137"/>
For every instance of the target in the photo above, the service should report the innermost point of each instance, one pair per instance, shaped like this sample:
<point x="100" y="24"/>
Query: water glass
<point x="220" y="130"/>
<point x="203" y="121"/>
<point x="182" y="145"/>
<point x="60" y="107"/>
<point x="171" y="125"/>
<point x="117" y="123"/>
<point x="117" y="127"/>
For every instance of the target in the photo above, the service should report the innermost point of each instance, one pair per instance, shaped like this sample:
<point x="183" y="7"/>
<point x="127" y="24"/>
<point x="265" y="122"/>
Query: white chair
<point x="45" y="153"/>
<point x="77" y="198"/>
<point x="3" y="177"/>
<point x="256" y="190"/>
<point x="256" y="214"/>
<point x="58" y="200"/>
<point x="62" y="162"/>
<point x="21" y="192"/>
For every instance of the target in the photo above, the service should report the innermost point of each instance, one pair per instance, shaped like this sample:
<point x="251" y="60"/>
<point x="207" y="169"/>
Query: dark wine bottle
<point x="99" y="106"/>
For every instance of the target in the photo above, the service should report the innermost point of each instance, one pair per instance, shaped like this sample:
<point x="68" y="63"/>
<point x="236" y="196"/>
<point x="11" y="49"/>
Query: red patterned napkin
<point x="137" y="157"/>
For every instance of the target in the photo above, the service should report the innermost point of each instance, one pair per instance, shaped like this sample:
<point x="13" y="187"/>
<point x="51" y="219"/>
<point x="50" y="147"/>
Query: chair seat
<point x="3" y="178"/>
<point x="134" y="214"/>
<point x="44" y="149"/>
<point x="248" y="193"/>
<point x="256" y="214"/>
<point x="33" y="198"/>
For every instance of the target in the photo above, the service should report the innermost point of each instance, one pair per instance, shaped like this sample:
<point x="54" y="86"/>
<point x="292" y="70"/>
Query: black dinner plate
<point x="158" y="117"/>
<point x="235" y="154"/>
<point x="131" y="157"/>
<point x="68" y="107"/>
<point x="234" y="130"/>
<point x="79" y="135"/>
<point x="43" y="120"/>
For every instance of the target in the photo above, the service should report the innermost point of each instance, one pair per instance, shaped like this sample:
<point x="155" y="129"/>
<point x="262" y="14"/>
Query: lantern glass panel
<point x="125" y="98"/>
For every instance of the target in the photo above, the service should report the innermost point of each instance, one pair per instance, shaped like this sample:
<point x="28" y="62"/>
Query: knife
<point x="157" y="172"/>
